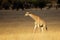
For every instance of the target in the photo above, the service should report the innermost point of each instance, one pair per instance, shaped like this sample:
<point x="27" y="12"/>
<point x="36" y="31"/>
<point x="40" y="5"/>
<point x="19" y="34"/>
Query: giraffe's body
<point x="38" y="21"/>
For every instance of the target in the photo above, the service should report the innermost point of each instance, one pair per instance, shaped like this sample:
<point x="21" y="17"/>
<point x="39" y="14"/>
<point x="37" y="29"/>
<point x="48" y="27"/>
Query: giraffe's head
<point x="27" y="13"/>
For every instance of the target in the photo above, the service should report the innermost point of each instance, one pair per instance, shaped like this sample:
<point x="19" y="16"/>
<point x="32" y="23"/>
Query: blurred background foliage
<point x="16" y="4"/>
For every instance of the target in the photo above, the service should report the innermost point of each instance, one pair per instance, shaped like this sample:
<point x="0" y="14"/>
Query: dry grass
<point x="20" y="33"/>
<point x="30" y="36"/>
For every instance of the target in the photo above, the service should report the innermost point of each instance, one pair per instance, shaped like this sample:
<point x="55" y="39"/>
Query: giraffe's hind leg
<point x="46" y="27"/>
<point x="42" y="28"/>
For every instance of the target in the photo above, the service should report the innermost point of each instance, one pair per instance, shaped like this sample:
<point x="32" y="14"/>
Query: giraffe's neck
<point x="34" y="17"/>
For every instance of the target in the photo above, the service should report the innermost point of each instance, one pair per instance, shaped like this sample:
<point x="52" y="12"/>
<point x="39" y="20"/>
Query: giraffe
<point x="38" y="22"/>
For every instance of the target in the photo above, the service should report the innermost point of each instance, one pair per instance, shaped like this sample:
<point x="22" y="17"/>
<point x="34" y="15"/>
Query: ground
<point x="15" y="26"/>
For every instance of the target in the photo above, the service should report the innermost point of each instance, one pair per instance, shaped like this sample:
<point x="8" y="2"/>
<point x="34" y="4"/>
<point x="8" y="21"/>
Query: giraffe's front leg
<point x="35" y="27"/>
<point x="38" y="26"/>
